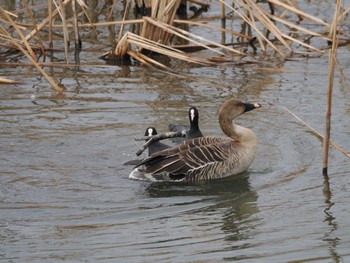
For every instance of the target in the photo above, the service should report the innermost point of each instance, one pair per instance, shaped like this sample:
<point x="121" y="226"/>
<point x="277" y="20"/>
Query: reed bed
<point x="266" y="30"/>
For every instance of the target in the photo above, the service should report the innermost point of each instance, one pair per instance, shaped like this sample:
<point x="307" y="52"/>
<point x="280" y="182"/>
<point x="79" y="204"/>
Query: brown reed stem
<point x="223" y="14"/>
<point x="62" y="9"/>
<point x="44" y="22"/>
<point x="331" y="64"/>
<point x="124" y="18"/>
<point x="35" y="25"/>
<point x="49" y="6"/>
<point x="75" y="25"/>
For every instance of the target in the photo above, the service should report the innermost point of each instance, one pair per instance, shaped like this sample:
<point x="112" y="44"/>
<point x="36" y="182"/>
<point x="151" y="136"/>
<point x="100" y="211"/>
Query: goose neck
<point x="229" y="128"/>
<point x="194" y="125"/>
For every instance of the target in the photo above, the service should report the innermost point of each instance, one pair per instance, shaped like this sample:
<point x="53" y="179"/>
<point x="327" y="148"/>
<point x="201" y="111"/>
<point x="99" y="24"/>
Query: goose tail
<point x="139" y="174"/>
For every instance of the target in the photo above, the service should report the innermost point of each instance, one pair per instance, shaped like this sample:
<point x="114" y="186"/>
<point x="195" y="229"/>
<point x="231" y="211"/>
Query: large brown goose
<point x="206" y="157"/>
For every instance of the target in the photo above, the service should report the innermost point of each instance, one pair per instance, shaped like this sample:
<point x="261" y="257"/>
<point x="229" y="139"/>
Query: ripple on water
<point x="65" y="196"/>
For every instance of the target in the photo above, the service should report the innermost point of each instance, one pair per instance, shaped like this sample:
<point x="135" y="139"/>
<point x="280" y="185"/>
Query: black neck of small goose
<point x="195" y="121"/>
<point x="194" y="124"/>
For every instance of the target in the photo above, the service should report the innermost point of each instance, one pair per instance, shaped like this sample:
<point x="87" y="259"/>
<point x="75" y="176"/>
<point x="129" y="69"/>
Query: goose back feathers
<point x="206" y="157"/>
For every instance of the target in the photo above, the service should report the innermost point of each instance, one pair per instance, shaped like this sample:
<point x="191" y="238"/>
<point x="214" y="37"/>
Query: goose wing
<point x="191" y="155"/>
<point x="185" y="145"/>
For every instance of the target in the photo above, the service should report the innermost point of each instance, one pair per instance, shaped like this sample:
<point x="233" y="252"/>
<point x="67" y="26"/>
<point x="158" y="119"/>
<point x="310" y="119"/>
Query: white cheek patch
<point x="192" y="114"/>
<point x="150" y="131"/>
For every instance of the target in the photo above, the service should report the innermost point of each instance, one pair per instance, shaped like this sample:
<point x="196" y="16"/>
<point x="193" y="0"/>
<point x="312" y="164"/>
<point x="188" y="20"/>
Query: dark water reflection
<point x="231" y="196"/>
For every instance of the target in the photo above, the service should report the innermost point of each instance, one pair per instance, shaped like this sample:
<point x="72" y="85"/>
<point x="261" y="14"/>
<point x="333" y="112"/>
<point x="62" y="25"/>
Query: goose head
<point x="230" y="110"/>
<point x="194" y="131"/>
<point x="150" y="131"/>
<point x="193" y="115"/>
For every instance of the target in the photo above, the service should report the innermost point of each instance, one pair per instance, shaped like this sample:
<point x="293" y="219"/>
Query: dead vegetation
<point x="270" y="27"/>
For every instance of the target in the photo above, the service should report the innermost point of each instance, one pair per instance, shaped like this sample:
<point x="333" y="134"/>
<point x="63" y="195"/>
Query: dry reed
<point x="331" y="65"/>
<point x="317" y="133"/>
<point x="158" y="29"/>
<point x="8" y="81"/>
<point x="29" y="55"/>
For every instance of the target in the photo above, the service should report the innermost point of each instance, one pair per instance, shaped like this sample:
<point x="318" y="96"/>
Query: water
<point x="65" y="195"/>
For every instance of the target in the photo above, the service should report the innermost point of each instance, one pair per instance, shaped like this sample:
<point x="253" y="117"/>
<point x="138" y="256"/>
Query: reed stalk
<point x="136" y="56"/>
<point x="234" y="33"/>
<point x="317" y="133"/>
<point x="75" y="25"/>
<point x="28" y="55"/>
<point x="241" y="13"/>
<point x="34" y="23"/>
<point x="19" y="32"/>
<point x="223" y="12"/>
<point x="299" y="12"/>
<point x="331" y="64"/>
<point x="127" y="6"/>
<point x="8" y="81"/>
<point x="62" y="11"/>
<point x="156" y="47"/>
<point x="188" y="36"/>
<point x="49" y="7"/>
<point x="45" y="22"/>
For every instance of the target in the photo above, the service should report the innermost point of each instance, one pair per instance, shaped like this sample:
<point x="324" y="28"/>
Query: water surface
<point x="65" y="194"/>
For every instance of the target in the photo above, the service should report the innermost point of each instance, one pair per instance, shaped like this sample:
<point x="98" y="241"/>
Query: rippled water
<point x="65" y="195"/>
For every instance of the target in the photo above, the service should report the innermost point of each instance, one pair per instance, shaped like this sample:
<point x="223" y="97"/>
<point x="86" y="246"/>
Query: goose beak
<point x="257" y="105"/>
<point x="250" y="106"/>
